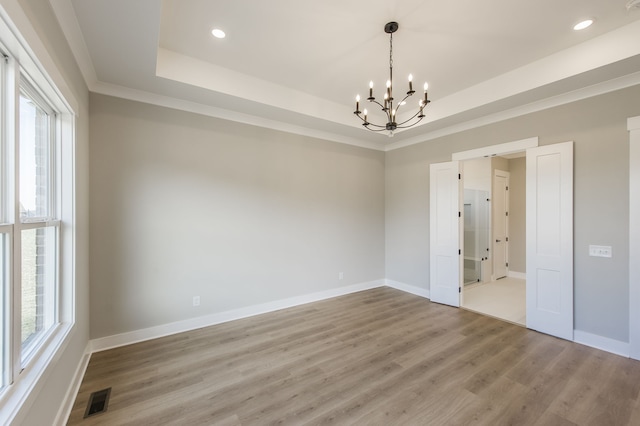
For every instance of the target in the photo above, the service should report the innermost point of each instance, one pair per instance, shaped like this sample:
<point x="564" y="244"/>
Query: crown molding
<point x="617" y="45"/>
<point x="66" y="16"/>
<point x="225" y="114"/>
<point x="563" y="99"/>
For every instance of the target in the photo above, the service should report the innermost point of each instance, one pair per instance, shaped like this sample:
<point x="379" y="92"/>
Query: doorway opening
<point x="548" y="230"/>
<point x="494" y="236"/>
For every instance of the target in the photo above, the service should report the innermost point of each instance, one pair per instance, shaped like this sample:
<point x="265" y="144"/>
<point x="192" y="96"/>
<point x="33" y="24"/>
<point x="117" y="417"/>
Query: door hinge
<point x="459" y="176"/>
<point x="507" y="188"/>
<point x="459" y="252"/>
<point x="459" y="289"/>
<point x="459" y="214"/>
<point x="506" y="213"/>
<point x="506" y="264"/>
<point x="507" y="239"/>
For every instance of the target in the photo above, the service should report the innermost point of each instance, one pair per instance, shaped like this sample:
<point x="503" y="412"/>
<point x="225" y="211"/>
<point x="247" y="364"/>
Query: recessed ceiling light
<point x="218" y="33"/>
<point x="582" y="25"/>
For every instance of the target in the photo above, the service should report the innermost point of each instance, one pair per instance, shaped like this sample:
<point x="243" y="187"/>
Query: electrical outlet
<point x="340" y="275"/>
<point x="196" y="300"/>
<point x="600" y="251"/>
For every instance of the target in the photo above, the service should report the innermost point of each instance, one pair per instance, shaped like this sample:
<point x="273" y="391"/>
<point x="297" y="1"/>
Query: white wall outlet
<point x="196" y="300"/>
<point x="340" y="275"/>
<point x="600" y="251"/>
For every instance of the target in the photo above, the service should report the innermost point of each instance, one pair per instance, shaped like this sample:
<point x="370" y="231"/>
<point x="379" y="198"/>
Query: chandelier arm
<point x="368" y="123"/>
<point x="380" y="105"/>
<point x="400" y="103"/>
<point x="376" y="130"/>
<point x="410" y="125"/>
<point x="376" y="125"/>
<point x="414" y="116"/>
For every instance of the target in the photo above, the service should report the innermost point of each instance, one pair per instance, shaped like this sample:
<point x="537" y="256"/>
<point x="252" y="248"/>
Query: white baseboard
<point x="518" y="275"/>
<point x="110" y="342"/>
<point x="603" y="343"/>
<point x="407" y="288"/>
<point x="70" y="397"/>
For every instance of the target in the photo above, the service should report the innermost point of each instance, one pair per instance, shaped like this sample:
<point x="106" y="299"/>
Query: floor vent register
<point x="98" y="402"/>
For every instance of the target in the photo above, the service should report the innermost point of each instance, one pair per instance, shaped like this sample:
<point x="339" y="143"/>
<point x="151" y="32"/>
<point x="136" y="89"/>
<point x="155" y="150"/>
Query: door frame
<point x="491" y="151"/>
<point x="503" y="149"/>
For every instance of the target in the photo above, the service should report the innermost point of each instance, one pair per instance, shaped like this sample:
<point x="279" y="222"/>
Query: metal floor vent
<point x="98" y="402"/>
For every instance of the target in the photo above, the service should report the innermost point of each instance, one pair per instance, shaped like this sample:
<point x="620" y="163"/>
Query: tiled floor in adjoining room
<point x="504" y="299"/>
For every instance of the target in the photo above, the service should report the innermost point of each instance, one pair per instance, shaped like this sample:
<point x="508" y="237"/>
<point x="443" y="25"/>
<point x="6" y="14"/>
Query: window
<point x="35" y="135"/>
<point x="38" y="227"/>
<point x="37" y="216"/>
<point x="29" y="229"/>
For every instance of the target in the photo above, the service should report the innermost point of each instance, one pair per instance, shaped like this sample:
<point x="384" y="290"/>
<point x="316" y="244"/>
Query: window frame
<point x="24" y="354"/>
<point x="21" y="369"/>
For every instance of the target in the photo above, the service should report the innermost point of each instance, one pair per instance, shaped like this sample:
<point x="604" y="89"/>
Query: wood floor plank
<point x="378" y="357"/>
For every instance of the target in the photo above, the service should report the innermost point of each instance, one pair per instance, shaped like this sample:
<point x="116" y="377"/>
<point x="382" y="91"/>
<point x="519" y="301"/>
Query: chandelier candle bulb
<point x="410" y="83"/>
<point x="357" y="104"/>
<point x="371" y="90"/>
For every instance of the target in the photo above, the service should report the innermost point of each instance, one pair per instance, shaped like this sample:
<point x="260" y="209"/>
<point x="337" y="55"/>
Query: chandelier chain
<point x="391" y="51"/>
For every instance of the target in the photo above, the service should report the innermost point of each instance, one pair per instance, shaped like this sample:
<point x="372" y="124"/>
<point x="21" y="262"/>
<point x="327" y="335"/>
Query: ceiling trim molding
<point x="188" y="106"/>
<point x="619" y="44"/>
<point x="66" y="16"/>
<point x="566" y="98"/>
<point x="198" y="73"/>
<point x="215" y="112"/>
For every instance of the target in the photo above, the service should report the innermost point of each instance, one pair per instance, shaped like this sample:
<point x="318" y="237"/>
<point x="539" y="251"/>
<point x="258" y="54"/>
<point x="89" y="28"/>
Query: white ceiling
<point x="296" y="65"/>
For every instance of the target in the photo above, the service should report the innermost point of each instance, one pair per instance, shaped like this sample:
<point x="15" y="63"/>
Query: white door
<point x="500" y="204"/>
<point x="445" y="257"/>
<point x="550" y="239"/>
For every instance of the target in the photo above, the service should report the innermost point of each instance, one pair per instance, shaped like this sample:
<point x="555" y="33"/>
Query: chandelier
<point x="387" y="105"/>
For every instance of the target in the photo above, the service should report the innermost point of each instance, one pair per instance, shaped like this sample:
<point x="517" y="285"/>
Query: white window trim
<point x="36" y="62"/>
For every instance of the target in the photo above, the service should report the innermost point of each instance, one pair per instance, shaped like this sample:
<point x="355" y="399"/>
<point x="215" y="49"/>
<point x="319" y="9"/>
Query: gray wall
<point x="59" y="374"/>
<point x="185" y="205"/>
<point x="601" y="201"/>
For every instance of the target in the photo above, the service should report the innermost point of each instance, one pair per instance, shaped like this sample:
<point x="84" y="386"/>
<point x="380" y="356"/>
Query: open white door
<point x="550" y="239"/>
<point x="445" y="258"/>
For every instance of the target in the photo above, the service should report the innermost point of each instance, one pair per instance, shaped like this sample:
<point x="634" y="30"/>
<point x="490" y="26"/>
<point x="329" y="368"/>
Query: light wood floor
<point x="379" y="357"/>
